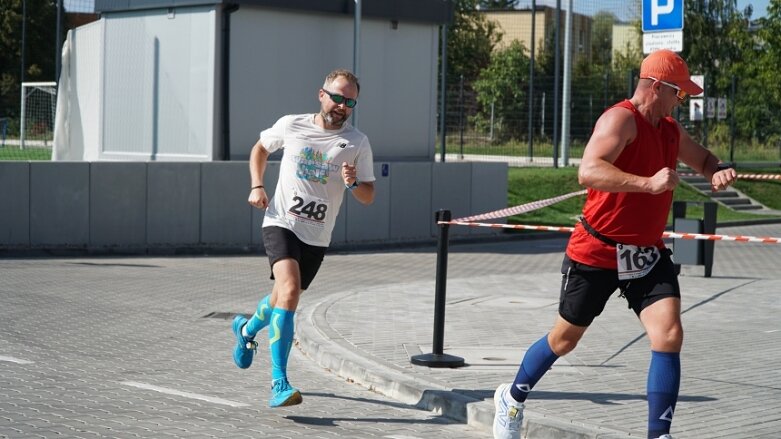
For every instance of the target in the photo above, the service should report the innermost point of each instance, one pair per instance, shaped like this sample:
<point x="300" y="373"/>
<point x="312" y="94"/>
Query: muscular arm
<point x="257" y="167"/>
<point x="614" y="130"/>
<point x="703" y="161"/>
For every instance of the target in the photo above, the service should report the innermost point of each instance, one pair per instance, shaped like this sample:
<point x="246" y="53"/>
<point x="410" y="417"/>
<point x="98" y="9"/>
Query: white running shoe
<point x="509" y="414"/>
<point x="665" y="436"/>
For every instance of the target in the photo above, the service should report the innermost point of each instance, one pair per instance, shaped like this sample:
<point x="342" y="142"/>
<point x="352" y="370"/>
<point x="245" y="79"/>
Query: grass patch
<point x="14" y="153"/>
<point x="531" y="184"/>
<point x="769" y="191"/>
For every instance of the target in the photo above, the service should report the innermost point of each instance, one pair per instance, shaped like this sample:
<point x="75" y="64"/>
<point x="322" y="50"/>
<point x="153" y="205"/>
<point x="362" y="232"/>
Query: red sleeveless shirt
<point x="636" y="218"/>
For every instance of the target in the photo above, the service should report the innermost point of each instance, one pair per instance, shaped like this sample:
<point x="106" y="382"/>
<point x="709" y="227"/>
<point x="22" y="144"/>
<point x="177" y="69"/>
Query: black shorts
<point x="282" y="243"/>
<point x="586" y="289"/>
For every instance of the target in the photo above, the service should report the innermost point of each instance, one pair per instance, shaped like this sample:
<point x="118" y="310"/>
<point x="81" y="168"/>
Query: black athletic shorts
<point x="586" y="289"/>
<point x="282" y="243"/>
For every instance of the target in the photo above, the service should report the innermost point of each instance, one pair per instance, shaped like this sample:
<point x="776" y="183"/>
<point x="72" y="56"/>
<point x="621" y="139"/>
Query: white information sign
<point x="672" y="40"/>
<point x="721" y="109"/>
<point x="710" y="108"/>
<point x="695" y="109"/>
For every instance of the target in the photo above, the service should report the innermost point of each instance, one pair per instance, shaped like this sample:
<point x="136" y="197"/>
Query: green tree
<point x="759" y="91"/>
<point x="602" y="38"/>
<point x="719" y="43"/>
<point x="710" y="46"/>
<point x="470" y="40"/>
<point x="40" y="53"/>
<point x="504" y="84"/>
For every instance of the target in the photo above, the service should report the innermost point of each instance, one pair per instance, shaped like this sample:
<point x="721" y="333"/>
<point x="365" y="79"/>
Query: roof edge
<point x="427" y="11"/>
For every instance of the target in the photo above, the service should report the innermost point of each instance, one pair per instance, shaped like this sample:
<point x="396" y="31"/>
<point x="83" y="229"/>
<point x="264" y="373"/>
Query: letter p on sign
<point x="662" y="15"/>
<point x="658" y="9"/>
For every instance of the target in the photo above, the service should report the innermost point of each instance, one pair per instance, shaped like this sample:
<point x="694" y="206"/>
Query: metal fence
<point x="526" y="116"/>
<point x="526" y="132"/>
<point x="531" y="118"/>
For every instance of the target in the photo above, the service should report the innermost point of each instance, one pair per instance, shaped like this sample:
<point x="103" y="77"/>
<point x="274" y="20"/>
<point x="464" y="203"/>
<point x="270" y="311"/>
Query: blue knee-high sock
<point x="261" y="318"/>
<point x="280" y="339"/>
<point x="664" y="378"/>
<point x="538" y="359"/>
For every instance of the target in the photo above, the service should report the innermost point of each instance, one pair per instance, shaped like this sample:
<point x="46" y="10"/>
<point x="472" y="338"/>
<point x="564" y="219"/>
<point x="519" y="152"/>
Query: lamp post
<point x="24" y="37"/>
<point x="58" y="45"/>
<point x="356" y="49"/>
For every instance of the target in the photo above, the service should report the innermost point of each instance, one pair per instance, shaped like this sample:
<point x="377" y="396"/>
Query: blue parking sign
<point x="662" y="15"/>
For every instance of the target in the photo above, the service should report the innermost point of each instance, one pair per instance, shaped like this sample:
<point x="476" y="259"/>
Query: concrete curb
<point x="317" y="340"/>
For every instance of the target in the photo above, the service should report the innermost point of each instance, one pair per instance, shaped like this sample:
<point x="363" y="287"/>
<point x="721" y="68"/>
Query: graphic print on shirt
<point x="312" y="165"/>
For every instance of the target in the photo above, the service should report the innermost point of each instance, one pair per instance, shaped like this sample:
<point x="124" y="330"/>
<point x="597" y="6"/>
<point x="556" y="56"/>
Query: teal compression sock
<point x="261" y="318"/>
<point x="280" y="340"/>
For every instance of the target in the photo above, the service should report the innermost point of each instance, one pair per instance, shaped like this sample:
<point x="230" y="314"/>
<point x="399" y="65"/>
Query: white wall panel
<point x="159" y="84"/>
<point x="279" y="59"/>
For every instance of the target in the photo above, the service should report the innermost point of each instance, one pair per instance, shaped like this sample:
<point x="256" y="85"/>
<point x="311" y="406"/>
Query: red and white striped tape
<point x="701" y="236"/>
<point x="760" y="176"/>
<point x="741" y="176"/>
<point x="522" y="208"/>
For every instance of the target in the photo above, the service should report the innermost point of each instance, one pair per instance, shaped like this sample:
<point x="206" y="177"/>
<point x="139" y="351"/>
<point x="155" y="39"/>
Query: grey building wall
<point x="153" y="207"/>
<point x="164" y="80"/>
<point x="396" y="106"/>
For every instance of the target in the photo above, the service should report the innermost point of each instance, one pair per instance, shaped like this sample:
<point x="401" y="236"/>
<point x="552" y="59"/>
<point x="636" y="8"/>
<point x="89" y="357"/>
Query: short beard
<point x="329" y="120"/>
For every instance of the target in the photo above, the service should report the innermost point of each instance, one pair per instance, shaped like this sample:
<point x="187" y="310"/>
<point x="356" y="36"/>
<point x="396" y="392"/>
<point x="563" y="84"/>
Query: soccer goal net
<point x="39" y="103"/>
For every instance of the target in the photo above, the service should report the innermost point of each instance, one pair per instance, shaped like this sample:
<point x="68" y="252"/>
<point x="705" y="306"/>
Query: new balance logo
<point x="525" y="388"/>
<point x="667" y="415"/>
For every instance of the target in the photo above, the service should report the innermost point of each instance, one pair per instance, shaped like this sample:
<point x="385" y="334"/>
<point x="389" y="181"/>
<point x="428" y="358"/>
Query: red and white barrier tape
<point x="522" y="208"/>
<point x="760" y="176"/>
<point x="701" y="236"/>
<point x="741" y="176"/>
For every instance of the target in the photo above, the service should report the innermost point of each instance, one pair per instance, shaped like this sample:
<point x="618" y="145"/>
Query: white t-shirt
<point x="310" y="188"/>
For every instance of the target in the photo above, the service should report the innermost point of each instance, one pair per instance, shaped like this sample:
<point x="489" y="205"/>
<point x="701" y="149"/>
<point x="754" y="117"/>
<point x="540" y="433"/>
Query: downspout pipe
<point x="227" y="10"/>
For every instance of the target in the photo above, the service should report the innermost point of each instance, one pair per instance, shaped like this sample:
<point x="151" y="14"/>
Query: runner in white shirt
<point x="324" y="156"/>
<point x="311" y="188"/>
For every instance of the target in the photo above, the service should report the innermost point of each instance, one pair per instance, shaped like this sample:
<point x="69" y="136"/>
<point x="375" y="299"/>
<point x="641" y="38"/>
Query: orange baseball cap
<point x="666" y="65"/>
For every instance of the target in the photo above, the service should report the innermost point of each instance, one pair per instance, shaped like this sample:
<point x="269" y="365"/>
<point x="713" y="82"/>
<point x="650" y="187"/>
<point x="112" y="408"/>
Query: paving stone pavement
<point x="99" y="347"/>
<point x="119" y="348"/>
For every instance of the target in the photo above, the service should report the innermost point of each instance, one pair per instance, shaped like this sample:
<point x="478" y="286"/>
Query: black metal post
<point x="732" y="122"/>
<point x="461" y="116"/>
<point x="437" y="358"/>
<point x="708" y="227"/>
<point x="531" y="84"/>
<point x="705" y="111"/>
<point x="228" y="9"/>
<point x="442" y="92"/>
<point x="556" y="68"/>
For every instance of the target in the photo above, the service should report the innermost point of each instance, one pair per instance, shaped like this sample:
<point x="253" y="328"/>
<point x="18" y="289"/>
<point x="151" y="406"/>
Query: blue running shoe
<point x="283" y="394"/>
<point x="245" y="347"/>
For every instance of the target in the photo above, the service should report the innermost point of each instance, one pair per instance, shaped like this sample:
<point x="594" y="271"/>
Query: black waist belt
<point x="596" y="234"/>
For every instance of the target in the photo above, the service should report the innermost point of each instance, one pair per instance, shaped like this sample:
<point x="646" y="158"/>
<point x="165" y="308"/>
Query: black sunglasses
<point x="338" y="99"/>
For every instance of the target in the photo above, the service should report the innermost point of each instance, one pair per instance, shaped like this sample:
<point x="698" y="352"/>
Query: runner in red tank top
<point x="636" y="218"/>
<point x="628" y="167"/>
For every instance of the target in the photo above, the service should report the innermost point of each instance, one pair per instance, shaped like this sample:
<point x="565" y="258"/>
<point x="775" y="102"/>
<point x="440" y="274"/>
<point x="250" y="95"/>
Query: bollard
<point x="438" y="358"/>
<point x="694" y="252"/>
